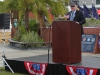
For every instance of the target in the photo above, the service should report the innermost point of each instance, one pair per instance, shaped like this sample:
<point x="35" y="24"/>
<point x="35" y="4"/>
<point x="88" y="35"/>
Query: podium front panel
<point x="66" y="42"/>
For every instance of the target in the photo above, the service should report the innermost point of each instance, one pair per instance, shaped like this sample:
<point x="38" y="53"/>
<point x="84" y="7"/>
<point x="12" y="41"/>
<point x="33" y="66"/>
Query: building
<point x="88" y="2"/>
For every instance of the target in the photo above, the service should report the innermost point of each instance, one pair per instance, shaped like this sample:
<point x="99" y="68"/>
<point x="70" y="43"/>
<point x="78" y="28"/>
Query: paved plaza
<point x="13" y="52"/>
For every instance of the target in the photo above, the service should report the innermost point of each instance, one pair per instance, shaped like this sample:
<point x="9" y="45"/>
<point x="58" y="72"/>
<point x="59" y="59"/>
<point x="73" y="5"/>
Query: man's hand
<point x="77" y="22"/>
<point x="66" y="16"/>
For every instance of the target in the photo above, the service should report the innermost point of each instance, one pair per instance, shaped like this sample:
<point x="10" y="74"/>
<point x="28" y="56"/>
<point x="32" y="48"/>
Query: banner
<point x="35" y="68"/>
<point x="88" y="42"/>
<point x="76" y="70"/>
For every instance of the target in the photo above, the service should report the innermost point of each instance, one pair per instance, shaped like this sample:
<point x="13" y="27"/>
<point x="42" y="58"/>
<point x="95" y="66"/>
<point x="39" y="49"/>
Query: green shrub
<point x="91" y="22"/>
<point x="29" y="36"/>
<point x="33" y="25"/>
<point x="32" y="37"/>
<point x="21" y="30"/>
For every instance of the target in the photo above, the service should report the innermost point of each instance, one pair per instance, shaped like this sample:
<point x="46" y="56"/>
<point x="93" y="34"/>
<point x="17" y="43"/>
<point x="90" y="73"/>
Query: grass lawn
<point x="3" y="72"/>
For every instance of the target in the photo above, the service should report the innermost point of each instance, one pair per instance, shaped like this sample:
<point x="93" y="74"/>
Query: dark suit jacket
<point x="79" y="17"/>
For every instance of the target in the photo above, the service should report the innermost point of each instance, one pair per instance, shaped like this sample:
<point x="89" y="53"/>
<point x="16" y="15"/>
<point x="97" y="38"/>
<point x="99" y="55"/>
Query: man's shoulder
<point x="78" y="11"/>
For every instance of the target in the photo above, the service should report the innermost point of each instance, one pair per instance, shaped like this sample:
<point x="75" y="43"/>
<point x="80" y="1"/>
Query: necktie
<point x="72" y="16"/>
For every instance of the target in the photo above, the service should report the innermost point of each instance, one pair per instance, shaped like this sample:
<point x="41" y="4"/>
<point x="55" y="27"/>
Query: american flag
<point x="94" y="12"/>
<point x="86" y="11"/>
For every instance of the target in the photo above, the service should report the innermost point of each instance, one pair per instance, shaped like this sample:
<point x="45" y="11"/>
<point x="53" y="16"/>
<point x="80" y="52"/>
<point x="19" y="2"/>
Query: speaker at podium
<point x="66" y="42"/>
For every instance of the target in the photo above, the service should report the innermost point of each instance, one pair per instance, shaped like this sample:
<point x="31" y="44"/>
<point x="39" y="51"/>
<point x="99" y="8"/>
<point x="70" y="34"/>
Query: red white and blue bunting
<point x="35" y="68"/>
<point x="40" y="68"/>
<point x="76" y="70"/>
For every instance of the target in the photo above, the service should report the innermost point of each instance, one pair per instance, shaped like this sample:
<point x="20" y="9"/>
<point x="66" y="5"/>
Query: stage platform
<point x="87" y="61"/>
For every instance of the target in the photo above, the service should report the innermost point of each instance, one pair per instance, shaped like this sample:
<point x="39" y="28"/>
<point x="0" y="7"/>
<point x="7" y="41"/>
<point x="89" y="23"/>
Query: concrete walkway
<point x="11" y="52"/>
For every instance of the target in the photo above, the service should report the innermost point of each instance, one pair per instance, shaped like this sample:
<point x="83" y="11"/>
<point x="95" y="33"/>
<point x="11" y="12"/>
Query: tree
<point x="40" y="9"/>
<point x="20" y="9"/>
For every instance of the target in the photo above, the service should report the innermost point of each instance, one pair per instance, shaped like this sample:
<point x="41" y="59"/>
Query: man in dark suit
<point x="76" y="15"/>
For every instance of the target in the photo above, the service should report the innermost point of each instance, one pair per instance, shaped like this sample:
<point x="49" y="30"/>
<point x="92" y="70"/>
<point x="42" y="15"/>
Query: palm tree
<point x="40" y="9"/>
<point x="20" y="9"/>
<point x="25" y="6"/>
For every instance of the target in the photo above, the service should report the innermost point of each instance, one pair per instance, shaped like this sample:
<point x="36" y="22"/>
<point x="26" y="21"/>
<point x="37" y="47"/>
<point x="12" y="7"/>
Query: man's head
<point x="73" y="6"/>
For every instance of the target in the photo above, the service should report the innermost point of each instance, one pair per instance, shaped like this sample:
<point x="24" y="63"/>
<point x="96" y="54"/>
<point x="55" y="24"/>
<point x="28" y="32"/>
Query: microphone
<point x="49" y="26"/>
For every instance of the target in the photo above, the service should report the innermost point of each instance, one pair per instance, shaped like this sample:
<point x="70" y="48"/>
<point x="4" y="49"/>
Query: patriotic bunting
<point x="35" y="68"/>
<point x="76" y="70"/>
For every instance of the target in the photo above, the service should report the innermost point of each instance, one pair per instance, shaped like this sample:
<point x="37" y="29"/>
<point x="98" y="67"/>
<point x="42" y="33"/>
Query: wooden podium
<point x="66" y="42"/>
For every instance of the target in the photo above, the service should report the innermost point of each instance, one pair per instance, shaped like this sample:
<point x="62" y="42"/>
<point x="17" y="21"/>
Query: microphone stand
<point x="3" y="56"/>
<point x="49" y="41"/>
<point x="49" y="44"/>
